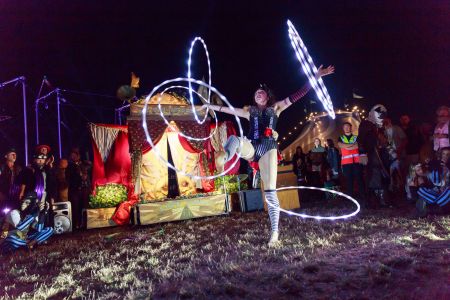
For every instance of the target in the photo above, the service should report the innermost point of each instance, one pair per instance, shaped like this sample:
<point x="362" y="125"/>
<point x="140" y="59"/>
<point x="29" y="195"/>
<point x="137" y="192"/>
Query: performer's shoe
<point x="221" y="159"/>
<point x="273" y="239"/>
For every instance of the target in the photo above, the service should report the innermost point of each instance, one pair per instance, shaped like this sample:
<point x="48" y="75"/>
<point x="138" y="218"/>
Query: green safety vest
<point x="346" y="140"/>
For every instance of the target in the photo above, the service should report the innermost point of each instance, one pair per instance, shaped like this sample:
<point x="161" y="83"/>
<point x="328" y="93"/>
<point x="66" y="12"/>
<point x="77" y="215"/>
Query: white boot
<point x="220" y="159"/>
<point x="273" y="239"/>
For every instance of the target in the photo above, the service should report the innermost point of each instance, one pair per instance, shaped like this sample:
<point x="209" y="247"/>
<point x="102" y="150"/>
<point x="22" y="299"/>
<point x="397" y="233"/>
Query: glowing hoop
<point x="149" y="139"/>
<point x="310" y="69"/>
<point x="199" y="39"/>
<point x="173" y="127"/>
<point x="306" y="216"/>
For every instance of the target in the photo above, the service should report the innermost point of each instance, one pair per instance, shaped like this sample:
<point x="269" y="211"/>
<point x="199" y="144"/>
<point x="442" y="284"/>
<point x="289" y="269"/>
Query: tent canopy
<point x="322" y="127"/>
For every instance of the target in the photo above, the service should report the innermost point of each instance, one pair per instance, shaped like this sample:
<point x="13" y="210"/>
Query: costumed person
<point x="436" y="187"/>
<point x="36" y="179"/>
<point x="350" y="161"/>
<point x="370" y="151"/>
<point x="441" y="131"/>
<point x="25" y="227"/>
<point x="9" y="187"/>
<point x="260" y="146"/>
<point x="46" y="150"/>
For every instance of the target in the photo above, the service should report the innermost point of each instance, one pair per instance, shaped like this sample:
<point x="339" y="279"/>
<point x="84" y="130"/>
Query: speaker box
<point x="251" y="200"/>
<point x="62" y="217"/>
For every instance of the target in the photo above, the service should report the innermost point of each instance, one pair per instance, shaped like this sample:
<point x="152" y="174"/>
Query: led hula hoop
<point x="150" y="141"/>
<point x="310" y="69"/>
<point x="174" y="127"/>
<point x="306" y="216"/>
<point x="199" y="39"/>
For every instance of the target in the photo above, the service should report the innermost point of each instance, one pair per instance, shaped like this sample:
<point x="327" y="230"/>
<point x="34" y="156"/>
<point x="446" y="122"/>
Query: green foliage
<point x="232" y="187"/>
<point x="108" y="195"/>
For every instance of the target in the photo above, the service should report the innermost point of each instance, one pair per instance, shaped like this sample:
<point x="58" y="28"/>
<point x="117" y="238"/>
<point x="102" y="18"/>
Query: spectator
<point x="333" y="159"/>
<point x="441" y="131"/>
<point x="414" y="140"/>
<point x="316" y="161"/>
<point x="426" y="152"/>
<point x="435" y="187"/>
<point x="396" y="146"/>
<point x="299" y="165"/>
<point x="9" y="172"/>
<point x="351" y="167"/>
<point x="73" y="177"/>
<point x="62" y="183"/>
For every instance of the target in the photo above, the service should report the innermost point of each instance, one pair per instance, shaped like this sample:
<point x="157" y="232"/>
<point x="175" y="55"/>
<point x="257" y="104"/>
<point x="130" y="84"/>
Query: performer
<point x="25" y="227"/>
<point x="260" y="145"/>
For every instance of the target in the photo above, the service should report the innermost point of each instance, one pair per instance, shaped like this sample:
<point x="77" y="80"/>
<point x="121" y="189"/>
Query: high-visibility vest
<point x="349" y="156"/>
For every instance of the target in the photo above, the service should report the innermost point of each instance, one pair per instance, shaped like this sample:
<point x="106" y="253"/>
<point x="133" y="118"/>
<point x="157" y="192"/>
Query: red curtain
<point x="117" y="168"/>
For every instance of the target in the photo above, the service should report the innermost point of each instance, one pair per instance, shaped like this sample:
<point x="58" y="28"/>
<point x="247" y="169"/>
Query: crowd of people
<point x="27" y="194"/>
<point x="390" y="163"/>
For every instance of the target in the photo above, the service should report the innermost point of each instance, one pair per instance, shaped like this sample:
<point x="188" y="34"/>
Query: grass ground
<point x="380" y="254"/>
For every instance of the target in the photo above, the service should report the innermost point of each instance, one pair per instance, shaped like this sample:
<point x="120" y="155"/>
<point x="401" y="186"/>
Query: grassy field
<point x="380" y="254"/>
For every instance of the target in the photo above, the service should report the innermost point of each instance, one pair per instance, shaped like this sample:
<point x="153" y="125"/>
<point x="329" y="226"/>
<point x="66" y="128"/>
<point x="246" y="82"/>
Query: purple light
<point x="6" y="210"/>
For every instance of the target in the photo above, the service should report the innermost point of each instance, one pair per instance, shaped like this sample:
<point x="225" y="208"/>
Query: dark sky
<point x="394" y="52"/>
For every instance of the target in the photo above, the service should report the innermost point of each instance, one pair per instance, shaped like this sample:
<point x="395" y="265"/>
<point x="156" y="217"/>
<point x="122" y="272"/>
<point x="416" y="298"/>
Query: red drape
<point x="207" y="185"/>
<point x="117" y="168"/>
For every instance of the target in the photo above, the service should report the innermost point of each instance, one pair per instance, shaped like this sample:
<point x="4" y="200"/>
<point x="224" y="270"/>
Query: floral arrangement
<point x="108" y="195"/>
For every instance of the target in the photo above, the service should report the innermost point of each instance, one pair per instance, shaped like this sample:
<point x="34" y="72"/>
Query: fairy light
<point x="199" y="39"/>
<point x="150" y="141"/>
<point x="318" y="217"/>
<point x="310" y="69"/>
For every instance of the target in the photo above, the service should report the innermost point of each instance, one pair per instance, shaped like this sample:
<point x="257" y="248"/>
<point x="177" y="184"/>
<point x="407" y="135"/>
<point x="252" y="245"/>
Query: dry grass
<point x="377" y="255"/>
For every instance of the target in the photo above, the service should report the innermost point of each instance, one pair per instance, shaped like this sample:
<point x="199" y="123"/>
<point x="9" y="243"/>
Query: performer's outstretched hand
<point x="324" y="72"/>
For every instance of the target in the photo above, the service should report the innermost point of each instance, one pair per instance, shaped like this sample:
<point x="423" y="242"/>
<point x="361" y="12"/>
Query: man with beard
<point x="371" y="153"/>
<point x="9" y="172"/>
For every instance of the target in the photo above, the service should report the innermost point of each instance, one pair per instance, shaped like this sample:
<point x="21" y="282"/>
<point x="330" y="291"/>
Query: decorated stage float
<point x="132" y="184"/>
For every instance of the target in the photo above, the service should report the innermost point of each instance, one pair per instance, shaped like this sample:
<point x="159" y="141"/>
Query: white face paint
<point x="376" y="114"/>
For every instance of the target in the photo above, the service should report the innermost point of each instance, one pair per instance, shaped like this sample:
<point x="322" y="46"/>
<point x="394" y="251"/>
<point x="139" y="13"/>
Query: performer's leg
<point x="231" y="147"/>
<point x="13" y="242"/>
<point x="443" y="198"/>
<point x="268" y="169"/>
<point x="428" y="195"/>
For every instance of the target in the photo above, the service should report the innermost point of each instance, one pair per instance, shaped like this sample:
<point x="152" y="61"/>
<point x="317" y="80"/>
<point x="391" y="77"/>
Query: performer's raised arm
<point x="283" y="104"/>
<point x="240" y="112"/>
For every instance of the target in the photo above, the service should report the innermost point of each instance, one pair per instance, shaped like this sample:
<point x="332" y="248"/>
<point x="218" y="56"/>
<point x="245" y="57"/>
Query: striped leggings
<point x="433" y="197"/>
<point x="13" y="242"/>
<point x="273" y="206"/>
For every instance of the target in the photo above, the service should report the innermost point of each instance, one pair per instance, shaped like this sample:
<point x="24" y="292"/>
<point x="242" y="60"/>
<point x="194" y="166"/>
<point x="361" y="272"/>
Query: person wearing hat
<point x="36" y="179"/>
<point x="9" y="173"/>
<point x="46" y="150"/>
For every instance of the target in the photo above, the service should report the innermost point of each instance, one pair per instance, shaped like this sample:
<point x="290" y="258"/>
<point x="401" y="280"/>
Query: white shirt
<point x="440" y="143"/>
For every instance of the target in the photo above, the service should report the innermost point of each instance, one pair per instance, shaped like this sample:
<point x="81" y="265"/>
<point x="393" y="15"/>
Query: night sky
<point x="394" y="52"/>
